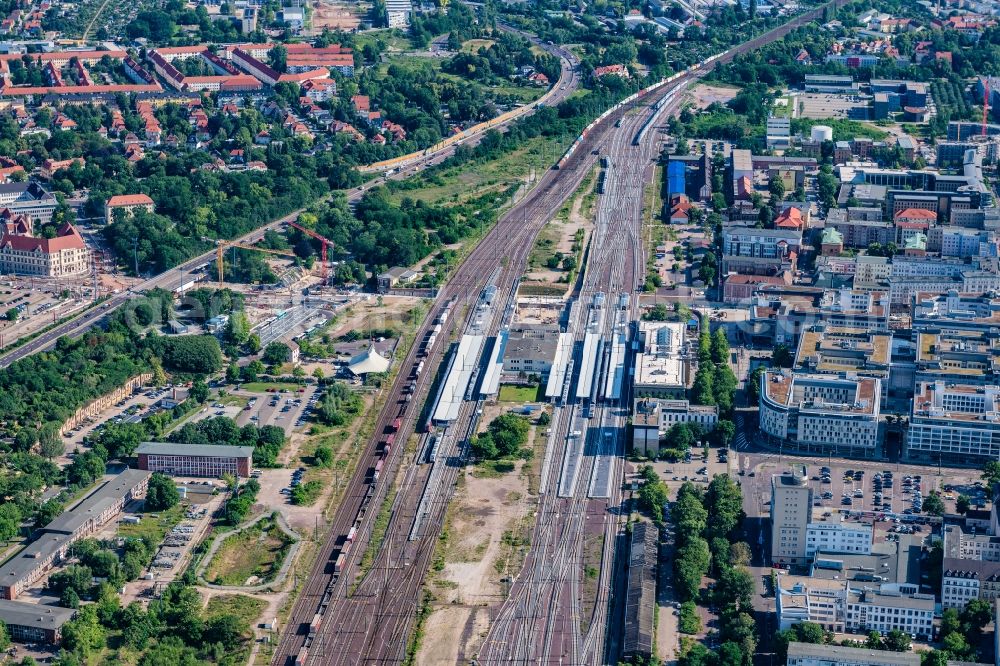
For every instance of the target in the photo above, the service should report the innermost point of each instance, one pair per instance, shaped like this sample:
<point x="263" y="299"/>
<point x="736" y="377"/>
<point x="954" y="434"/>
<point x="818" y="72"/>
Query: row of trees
<point x="714" y="381"/>
<point x="705" y="546"/>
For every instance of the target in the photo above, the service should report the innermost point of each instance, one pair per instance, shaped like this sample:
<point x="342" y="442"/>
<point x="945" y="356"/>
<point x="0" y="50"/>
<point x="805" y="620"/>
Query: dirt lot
<point x="704" y="95"/>
<point x="483" y="509"/>
<point x="562" y="233"/>
<point x="335" y="16"/>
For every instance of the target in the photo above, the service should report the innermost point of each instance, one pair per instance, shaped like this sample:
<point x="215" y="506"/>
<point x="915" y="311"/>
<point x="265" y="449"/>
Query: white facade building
<point x="822" y="413"/>
<point x="830" y="537"/>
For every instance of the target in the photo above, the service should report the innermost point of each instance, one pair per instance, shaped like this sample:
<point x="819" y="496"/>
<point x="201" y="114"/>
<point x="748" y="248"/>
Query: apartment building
<point x="791" y="514"/>
<point x="34" y="623"/>
<point x="970" y="567"/>
<point x="822" y="413"/>
<point x="752" y="251"/>
<point x="954" y="422"/>
<point x="955" y="311"/>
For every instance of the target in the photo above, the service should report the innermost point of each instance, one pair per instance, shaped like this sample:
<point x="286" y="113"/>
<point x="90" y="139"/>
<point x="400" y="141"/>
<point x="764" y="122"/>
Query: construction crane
<point x="325" y="242"/>
<point x="222" y="247"/>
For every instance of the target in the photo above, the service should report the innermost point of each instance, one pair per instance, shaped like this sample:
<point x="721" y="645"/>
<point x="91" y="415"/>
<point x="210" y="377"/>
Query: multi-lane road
<point x="171" y="279"/>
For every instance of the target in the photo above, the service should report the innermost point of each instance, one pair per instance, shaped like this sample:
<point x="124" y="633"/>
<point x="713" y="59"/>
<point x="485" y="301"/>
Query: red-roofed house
<point x="128" y="203"/>
<point x="612" y="70"/>
<point x="790" y="218"/>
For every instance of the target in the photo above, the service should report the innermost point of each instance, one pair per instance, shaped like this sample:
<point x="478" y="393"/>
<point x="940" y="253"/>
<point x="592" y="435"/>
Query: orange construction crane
<point x="221" y="249"/>
<point x="325" y="241"/>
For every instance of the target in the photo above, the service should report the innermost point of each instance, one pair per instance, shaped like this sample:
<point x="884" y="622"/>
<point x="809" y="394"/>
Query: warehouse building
<point x="641" y="592"/>
<point x="195" y="459"/>
<point x="35" y="559"/>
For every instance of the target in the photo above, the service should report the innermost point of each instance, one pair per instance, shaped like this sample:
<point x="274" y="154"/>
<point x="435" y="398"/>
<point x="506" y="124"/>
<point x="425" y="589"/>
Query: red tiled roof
<point x="129" y="200"/>
<point x="916" y="214"/>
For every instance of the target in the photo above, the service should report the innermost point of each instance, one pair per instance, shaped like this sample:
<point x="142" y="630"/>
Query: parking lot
<point x="831" y="491"/>
<point x="286" y="410"/>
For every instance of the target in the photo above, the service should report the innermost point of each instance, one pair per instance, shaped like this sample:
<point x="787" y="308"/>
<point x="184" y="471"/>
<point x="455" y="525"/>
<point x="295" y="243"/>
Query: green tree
<point x="323" y="456"/>
<point x="277" y="353"/>
<point x="963" y="504"/>
<point x="12" y="314"/>
<point x="991" y="473"/>
<point x="933" y="504"/>
<point x="653" y="498"/>
<point x="690" y="565"/>
<point x="724" y="432"/>
<point x="238" y="328"/>
<point x="162" y="493"/>
<point x="720" y="346"/>
<point x="782" y="356"/>
<point x="897" y="641"/>
<point x="776" y="188"/>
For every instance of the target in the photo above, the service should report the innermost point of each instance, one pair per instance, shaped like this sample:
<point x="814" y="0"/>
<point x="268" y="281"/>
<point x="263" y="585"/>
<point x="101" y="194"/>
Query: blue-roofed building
<point x="676" y="177"/>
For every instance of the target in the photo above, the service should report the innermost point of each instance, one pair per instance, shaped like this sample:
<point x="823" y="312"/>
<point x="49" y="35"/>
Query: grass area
<point x="544" y="247"/>
<point x="532" y="468"/>
<point x="493" y="469"/>
<point x="270" y="387"/>
<point x="652" y="200"/>
<point x="237" y="400"/>
<point x="395" y="39"/>
<point x="522" y="94"/>
<point x="153" y="529"/>
<point x="473" y="45"/>
<point x="256" y="551"/>
<point x="461" y="183"/>
<point x="511" y="393"/>
<point x="593" y="549"/>
<point x="245" y="607"/>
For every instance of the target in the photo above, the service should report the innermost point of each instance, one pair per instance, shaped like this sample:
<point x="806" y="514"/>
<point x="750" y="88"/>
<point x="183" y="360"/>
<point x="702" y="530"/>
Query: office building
<point x="653" y="417"/>
<point x="128" y="203"/>
<point x="791" y="513"/>
<point x="811" y="654"/>
<point x="29" y="199"/>
<point x="954" y="423"/>
<point x="530" y="350"/>
<point x="661" y="367"/>
<point x="845" y="606"/>
<point x="779" y="132"/>
<point x="833" y="350"/>
<point x="831" y="414"/>
<point x="779" y="314"/>
<point x="34" y="622"/>
<point x="195" y="459"/>
<point x="837" y="536"/>
<point x="24" y="253"/>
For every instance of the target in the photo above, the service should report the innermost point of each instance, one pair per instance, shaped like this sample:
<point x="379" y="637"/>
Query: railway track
<point x="372" y="623"/>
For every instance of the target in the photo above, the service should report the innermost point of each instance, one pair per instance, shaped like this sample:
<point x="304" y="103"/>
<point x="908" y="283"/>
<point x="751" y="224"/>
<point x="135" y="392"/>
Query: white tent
<point x="367" y="362"/>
